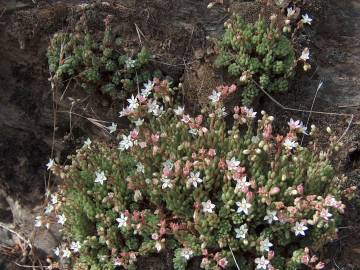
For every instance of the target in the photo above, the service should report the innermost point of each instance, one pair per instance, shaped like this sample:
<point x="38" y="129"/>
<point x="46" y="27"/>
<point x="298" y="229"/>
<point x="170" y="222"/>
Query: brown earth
<point x="176" y="32"/>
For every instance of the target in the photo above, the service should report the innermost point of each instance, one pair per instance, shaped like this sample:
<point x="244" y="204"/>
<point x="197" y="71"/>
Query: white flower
<point x="179" y="111"/>
<point x="166" y="183"/>
<point x="87" y="143"/>
<point x="249" y="112"/>
<point x="194" y="179"/>
<point x="158" y="246"/>
<point x="305" y="55"/>
<point x="117" y="262"/>
<point x="243" y="206"/>
<point x="54" y="199"/>
<point x="140" y="168"/>
<point x="49" y="208"/>
<point x="289" y="144"/>
<point x="38" y="221"/>
<point x="233" y="164"/>
<point x="270" y="216"/>
<point x="112" y="128"/>
<point x="139" y="122"/>
<point x="262" y="263"/>
<point x="265" y="245"/>
<point x="193" y="131"/>
<point x="215" y="96"/>
<point x="186" y="253"/>
<point x="299" y="229"/>
<point x="130" y="63"/>
<point x="75" y="246"/>
<point x="66" y="253"/>
<point x="290" y="11"/>
<point x="50" y="164"/>
<point x="241" y="184"/>
<point x="208" y="207"/>
<point x="154" y="108"/>
<point x="297" y="125"/>
<point x="61" y="219"/>
<point x="126" y="143"/>
<point x="148" y="87"/>
<point x="137" y="195"/>
<point x="306" y="19"/>
<point x="168" y="164"/>
<point x="241" y="231"/>
<point x="122" y="220"/>
<point x="57" y="251"/>
<point x="133" y="103"/>
<point x="100" y="177"/>
<point x="221" y="112"/>
<point x="325" y="214"/>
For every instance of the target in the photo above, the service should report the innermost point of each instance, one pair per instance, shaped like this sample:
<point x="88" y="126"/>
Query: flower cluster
<point x="256" y="54"/>
<point x="97" y="62"/>
<point x="199" y="188"/>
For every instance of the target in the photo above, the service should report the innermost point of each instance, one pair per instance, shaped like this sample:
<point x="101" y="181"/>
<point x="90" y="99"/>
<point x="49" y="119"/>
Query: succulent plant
<point x="198" y="188"/>
<point x="256" y="55"/>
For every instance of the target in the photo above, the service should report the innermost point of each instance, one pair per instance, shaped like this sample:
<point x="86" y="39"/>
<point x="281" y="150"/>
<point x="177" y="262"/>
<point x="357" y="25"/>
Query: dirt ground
<point x="176" y="32"/>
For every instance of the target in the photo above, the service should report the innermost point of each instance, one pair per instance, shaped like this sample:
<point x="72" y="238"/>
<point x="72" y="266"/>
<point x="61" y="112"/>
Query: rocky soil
<point x="177" y="31"/>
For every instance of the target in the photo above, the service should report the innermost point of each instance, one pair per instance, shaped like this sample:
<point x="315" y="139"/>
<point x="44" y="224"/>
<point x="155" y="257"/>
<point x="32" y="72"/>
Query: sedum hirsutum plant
<point x="197" y="187"/>
<point x="256" y="54"/>
<point x="97" y="62"/>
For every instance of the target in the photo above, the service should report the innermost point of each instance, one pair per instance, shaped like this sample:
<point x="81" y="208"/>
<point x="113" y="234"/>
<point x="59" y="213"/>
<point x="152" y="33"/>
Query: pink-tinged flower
<point x="297" y="126"/>
<point x="155" y="138"/>
<point x="249" y="113"/>
<point x="320" y="265"/>
<point x="249" y="196"/>
<point x="198" y="119"/>
<point x="232" y="88"/>
<point x="222" y="164"/>
<point x="232" y="164"/>
<point x="166" y="172"/>
<point x="154" y="236"/>
<point x="325" y="214"/>
<point x="186" y="118"/>
<point x="271" y="254"/>
<point x="205" y="252"/>
<point x="274" y="190"/>
<point x="162" y="231"/>
<point x="223" y="263"/>
<point x="174" y="227"/>
<point x="142" y="145"/>
<point x="242" y="185"/>
<point x="305" y="259"/>
<point x="134" y="134"/>
<point x="267" y="132"/>
<point x="212" y="152"/>
<point x="314" y="259"/>
<point x="141" y="98"/>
